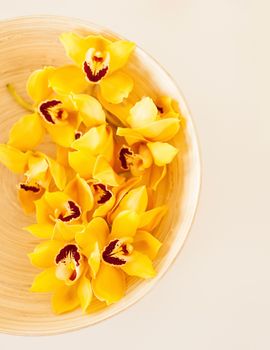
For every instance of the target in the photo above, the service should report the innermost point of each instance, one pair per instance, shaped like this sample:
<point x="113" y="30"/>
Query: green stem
<point x="24" y="104"/>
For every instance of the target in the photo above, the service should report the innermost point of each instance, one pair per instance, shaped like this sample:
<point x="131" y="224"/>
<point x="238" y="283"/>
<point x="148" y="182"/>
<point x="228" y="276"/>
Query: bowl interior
<point x="27" y="44"/>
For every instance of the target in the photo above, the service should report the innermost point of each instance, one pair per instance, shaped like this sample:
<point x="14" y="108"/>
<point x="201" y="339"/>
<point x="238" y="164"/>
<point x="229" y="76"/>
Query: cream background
<point x="217" y="292"/>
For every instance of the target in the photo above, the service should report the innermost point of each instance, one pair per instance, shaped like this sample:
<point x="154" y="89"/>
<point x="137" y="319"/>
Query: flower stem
<point x="24" y="104"/>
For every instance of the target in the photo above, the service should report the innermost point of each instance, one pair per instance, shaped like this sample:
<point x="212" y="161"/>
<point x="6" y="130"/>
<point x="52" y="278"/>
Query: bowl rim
<point x="197" y="191"/>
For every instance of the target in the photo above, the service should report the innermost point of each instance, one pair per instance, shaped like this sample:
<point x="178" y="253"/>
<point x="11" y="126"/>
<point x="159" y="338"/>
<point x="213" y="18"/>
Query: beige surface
<point x="216" y="296"/>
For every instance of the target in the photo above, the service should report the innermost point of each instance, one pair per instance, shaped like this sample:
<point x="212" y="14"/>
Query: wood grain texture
<point x="25" y="45"/>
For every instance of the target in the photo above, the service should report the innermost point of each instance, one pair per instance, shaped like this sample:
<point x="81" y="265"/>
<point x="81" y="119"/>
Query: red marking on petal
<point x="98" y="59"/>
<point x="113" y="260"/>
<point x="78" y="134"/>
<point x="69" y="250"/>
<point x="44" y="110"/>
<point x="73" y="276"/>
<point x="94" y="77"/>
<point x="105" y="194"/>
<point x="108" y="254"/>
<point x="124" y="249"/>
<point x="160" y="109"/>
<point x="124" y="153"/>
<point x="74" y="212"/>
<point x="34" y="189"/>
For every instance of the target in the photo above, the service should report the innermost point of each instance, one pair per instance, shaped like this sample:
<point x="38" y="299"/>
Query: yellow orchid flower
<point x="150" y="125"/>
<point x="65" y="275"/>
<point x="148" y="160"/>
<point x="147" y="124"/>
<point x="92" y="156"/>
<point x="108" y="197"/>
<point x="137" y="200"/>
<point x="68" y="208"/>
<point x="39" y="171"/>
<point x="48" y="109"/>
<point x="100" y="60"/>
<point x="135" y="158"/>
<point x="59" y="108"/>
<point x="168" y="107"/>
<point x="106" y="185"/>
<point x="111" y="255"/>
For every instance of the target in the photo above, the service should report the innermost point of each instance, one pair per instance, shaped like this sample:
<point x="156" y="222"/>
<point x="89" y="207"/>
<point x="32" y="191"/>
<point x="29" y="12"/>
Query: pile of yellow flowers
<point x="93" y="200"/>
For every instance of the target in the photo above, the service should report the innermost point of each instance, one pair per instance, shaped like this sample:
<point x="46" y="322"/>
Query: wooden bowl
<point x="27" y="44"/>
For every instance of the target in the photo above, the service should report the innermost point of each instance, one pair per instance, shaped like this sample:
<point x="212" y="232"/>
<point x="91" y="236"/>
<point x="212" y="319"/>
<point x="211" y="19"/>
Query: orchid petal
<point x="27" y="199"/>
<point x="79" y="190"/>
<point x="168" y="107"/>
<point x="139" y="265"/>
<point x="147" y="244"/>
<point x="103" y="209"/>
<point x="13" y="159"/>
<point x="116" y="87"/>
<point x="38" y="84"/>
<point x="109" y="284"/>
<point x="142" y="113"/>
<point x="105" y="174"/>
<point x="46" y="281"/>
<point x="66" y="232"/>
<point x="82" y="162"/>
<point x="151" y="218"/>
<point x="37" y="168"/>
<point x="41" y="230"/>
<point x="85" y="293"/>
<point x="43" y="211"/>
<point x="62" y="156"/>
<point x="98" y="141"/>
<point x="56" y="199"/>
<point x="131" y="136"/>
<point x="94" y="259"/>
<point x="160" y="130"/>
<point x="135" y="200"/>
<point x="44" y="253"/>
<point x="145" y="156"/>
<point x="96" y="231"/>
<point x="26" y="133"/>
<point x="120" y="52"/>
<point x="163" y="153"/>
<point x="58" y="173"/>
<point x="120" y="111"/>
<point x="65" y="298"/>
<point x="68" y="79"/>
<point x="62" y="134"/>
<point x="125" y="224"/>
<point x="90" y="110"/>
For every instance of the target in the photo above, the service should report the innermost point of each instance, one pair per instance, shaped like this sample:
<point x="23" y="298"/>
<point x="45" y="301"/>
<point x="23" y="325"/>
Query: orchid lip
<point x="25" y="187"/>
<point x="68" y="263"/>
<point x="96" y="65"/>
<point x="116" y="252"/>
<point x="70" y="249"/>
<point x="73" y="212"/>
<point x="94" y="77"/>
<point x="103" y="193"/>
<point x="51" y="111"/>
<point x="124" y="156"/>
